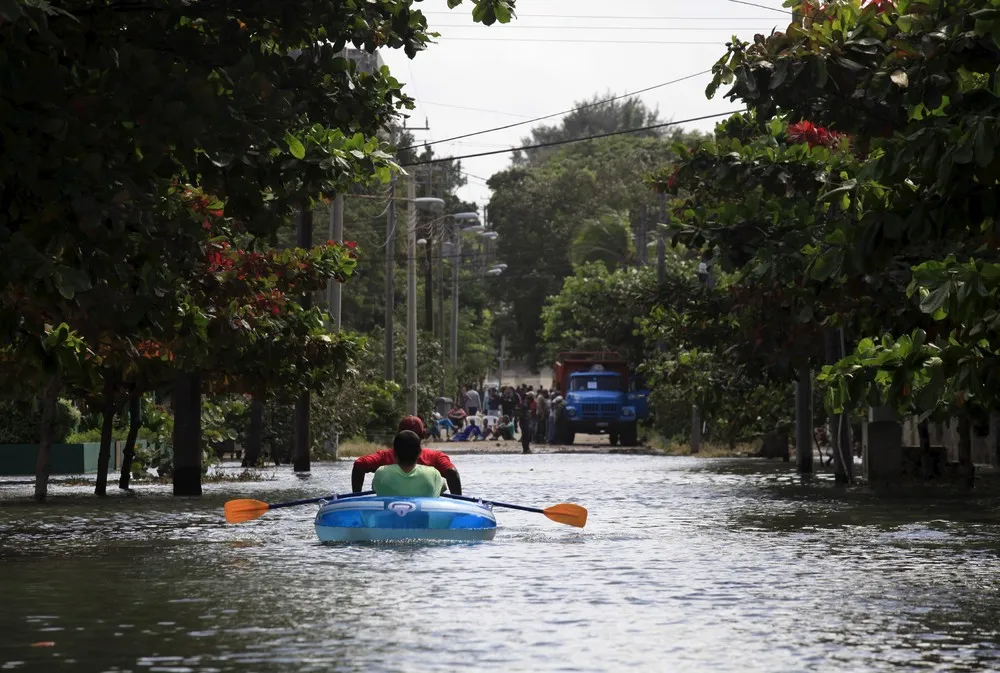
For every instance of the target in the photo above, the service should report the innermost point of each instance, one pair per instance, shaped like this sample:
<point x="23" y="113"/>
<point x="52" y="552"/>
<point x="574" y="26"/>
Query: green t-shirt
<point x="420" y="482"/>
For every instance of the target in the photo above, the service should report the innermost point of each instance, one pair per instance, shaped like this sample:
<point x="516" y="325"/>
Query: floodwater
<point x="685" y="565"/>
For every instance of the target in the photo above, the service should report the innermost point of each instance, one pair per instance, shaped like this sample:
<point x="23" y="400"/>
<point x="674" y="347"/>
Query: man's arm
<point x="358" y="477"/>
<point x="454" y="481"/>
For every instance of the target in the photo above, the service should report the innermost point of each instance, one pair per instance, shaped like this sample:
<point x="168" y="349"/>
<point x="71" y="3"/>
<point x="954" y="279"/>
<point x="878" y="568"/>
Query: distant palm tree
<point x="606" y="238"/>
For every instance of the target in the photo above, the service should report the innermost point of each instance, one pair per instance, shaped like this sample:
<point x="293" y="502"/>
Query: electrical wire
<point x="528" y="27"/>
<point x="473" y="109"/>
<point x="759" y="6"/>
<point x="555" y="143"/>
<point x="637" y="18"/>
<point x="548" y="40"/>
<point x="557" y="114"/>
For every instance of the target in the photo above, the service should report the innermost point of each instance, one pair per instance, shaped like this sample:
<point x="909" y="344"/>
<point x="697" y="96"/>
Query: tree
<point x="914" y="83"/>
<point x="539" y="209"/>
<point x="231" y="97"/>
<point x="606" y="238"/>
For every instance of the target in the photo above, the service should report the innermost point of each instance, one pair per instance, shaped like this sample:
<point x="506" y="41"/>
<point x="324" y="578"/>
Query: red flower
<point x="806" y="132"/>
<point x="350" y="245"/>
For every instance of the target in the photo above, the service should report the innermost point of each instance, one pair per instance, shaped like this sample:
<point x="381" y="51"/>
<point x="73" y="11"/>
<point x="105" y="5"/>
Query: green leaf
<point x="900" y="78"/>
<point x="70" y="281"/>
<point x="936" y="300"/>
<point x="295" y="146"/>
<point x="985" y="144"/>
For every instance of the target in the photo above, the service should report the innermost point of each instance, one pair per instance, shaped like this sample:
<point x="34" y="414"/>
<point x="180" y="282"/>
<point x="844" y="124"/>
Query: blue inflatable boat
<point x="372" y="519"/>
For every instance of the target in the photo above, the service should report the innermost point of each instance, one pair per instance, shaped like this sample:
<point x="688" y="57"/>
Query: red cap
<point x="413" y="424"/>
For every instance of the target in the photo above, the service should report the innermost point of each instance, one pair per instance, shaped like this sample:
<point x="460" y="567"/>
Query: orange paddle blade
<point x="569" y="514"/>
<point x="238" y="511"/>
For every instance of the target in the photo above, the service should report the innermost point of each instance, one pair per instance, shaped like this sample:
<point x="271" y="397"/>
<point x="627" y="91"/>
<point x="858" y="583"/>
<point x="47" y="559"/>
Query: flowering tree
<point x="247" y="101"/>
<point x="914" y="85"/>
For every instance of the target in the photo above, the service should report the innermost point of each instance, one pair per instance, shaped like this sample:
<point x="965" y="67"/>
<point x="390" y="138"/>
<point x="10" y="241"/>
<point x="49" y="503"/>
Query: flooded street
<point x="685" y="565"/>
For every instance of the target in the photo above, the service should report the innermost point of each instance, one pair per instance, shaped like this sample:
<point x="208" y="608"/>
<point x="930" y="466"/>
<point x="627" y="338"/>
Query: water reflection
<point x="685" y="565"/>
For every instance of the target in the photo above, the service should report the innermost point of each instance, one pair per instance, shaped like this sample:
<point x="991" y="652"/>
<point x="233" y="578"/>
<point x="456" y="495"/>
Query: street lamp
<point x="430" y="203"/>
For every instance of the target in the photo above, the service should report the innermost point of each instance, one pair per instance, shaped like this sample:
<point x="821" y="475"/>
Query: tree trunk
<point x="187" y="434"/>
<point x="45" y="435"/>
<point x="966" y="469"/>
<point x="134" y="422"/>
<point x="300" y="449"/>
<point x="107" y="428"/>
<point x="840" y="429"/>
<point x="695" y="429"/>
<point x="803" y="421"/>
<point x="251" y="452"/>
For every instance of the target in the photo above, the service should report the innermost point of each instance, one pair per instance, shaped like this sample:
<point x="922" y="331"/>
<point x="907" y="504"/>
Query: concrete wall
<point x="946" y="435"/>
<point x="19" y="459"/>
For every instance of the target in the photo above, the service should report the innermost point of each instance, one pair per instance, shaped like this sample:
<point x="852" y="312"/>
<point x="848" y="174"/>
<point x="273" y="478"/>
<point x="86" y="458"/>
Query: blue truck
<point x="602" y="397"/>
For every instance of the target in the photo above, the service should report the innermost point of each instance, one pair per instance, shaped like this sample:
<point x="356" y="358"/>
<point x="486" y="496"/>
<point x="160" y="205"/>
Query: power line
<point x="637" y="18"/>
<point x="557" y="114"/>
<point x="542" y="39"/>
<point x="473" y="109"/>
<point x="759" y="6"/>
<point x="571" y="140"/>
<point x="519" y="26"/>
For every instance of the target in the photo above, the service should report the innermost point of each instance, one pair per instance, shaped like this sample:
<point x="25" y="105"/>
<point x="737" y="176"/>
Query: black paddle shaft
<point x="536" y="510"/>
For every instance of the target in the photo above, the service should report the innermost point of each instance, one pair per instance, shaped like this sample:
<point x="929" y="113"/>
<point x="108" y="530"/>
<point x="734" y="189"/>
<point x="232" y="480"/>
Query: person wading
<point x="405" y="478"/>
<point x="436" y="459"/>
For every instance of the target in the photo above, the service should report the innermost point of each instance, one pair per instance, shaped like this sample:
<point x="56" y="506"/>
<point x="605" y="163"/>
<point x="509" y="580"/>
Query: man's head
<point x="406" y="446"/>
<point x="413" y="424"/>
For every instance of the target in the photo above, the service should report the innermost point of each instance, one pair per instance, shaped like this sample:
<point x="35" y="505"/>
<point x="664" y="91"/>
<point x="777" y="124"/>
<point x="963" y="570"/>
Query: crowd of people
<point x="502" y="414"/>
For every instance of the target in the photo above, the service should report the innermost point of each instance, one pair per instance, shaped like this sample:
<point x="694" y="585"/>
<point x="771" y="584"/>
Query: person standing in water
<point x="406" y="479"/>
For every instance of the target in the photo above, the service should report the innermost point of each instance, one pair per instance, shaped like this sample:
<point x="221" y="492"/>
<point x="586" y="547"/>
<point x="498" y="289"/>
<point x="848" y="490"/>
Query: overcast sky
<point x="558" y="52"/>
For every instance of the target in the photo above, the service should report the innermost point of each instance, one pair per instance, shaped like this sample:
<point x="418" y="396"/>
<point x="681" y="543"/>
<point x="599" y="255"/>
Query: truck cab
<point x="601" y="397"/>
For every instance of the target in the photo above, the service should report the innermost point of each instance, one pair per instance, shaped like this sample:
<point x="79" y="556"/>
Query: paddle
<point x="567" y="513"/>
<point x="238" y="511"/>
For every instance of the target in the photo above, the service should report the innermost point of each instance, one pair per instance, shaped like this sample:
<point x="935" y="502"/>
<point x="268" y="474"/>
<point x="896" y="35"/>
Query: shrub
<point x="20" y="421"/>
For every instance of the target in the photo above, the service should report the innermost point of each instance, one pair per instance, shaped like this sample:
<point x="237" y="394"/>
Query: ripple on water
<point x="684" y="566"/>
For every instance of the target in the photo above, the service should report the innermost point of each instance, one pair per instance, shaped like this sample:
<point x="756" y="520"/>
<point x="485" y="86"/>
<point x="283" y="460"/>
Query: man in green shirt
<point x="406" y="479"/>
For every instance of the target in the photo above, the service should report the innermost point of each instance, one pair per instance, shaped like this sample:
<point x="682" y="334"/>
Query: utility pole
<point x="456" y="250"/>
<point x="300" y="447"/>
<point x="390" y="264"/>
<point x="411" y="297"/>
<point x="428" y="260"/>
<point x="390" y="286"/>
<point x="503" y="353"/>
<point x="334" y="291"/>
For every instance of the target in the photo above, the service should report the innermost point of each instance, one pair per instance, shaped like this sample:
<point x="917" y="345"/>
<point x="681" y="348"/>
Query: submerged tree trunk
<point x="43" y="465"/>
<point x="134" y="422"/>
<point x="107" y="427"/>
<point x="187" y="434"/>
<point x="965" y="466"/>
<point x="803" y="420"/>
<point x="251" y="452"/>
<point x="300" y="449"/>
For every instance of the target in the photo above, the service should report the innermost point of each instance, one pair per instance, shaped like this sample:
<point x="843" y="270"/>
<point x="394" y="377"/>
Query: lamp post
<point x="411" y="290"/>
<point x="456" y="259"/>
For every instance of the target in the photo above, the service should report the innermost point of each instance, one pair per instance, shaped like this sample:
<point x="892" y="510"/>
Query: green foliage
<point x="605" y="238"/>
<point x="20" y="421"/>
<point x="598" y="310"/>
<point x="914" y="85"/>
<point x="539" y="207"/>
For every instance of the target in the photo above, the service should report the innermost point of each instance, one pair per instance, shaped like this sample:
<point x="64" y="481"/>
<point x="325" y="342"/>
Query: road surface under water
<point x="685" y="565"/>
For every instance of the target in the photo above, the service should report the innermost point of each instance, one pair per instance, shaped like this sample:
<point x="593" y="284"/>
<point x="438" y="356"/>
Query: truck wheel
<point x="613" y="436"/>
<point x="630" y="435"/>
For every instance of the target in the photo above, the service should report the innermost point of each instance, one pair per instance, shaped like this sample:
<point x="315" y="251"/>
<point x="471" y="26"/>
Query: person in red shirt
<point x="436" y="459"/>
